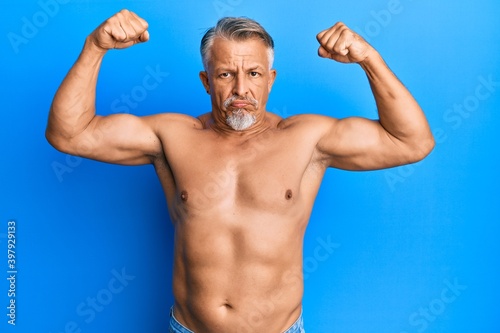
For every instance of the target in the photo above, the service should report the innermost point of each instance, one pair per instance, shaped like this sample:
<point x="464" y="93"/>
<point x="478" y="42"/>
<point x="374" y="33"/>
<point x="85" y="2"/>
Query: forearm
<point x="399" y="113"/>
<point x="73" y="106"/>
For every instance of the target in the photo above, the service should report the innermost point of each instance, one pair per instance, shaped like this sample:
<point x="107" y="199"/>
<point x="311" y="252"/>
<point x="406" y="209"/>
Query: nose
<point x="240" y="86"/>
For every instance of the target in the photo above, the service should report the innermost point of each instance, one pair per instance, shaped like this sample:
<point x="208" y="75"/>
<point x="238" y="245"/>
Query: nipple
<point x="288" y="194"/>
<point x="184" y="196"/>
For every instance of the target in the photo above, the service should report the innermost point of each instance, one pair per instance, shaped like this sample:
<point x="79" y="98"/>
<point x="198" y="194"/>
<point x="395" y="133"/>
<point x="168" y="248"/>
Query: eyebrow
<point x="228" y="69"/>
<point x="257" y="67"/>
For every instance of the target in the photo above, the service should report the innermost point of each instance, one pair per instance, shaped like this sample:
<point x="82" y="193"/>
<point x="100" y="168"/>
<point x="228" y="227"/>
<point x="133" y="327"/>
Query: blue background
<point x="402" y="236"/>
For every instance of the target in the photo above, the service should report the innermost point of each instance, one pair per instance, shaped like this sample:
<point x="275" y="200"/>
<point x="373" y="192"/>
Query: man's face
<point x="238" y="80"/>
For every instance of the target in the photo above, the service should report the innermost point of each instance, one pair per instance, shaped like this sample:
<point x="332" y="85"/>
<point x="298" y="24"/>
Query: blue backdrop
<point x="404" y="250"/>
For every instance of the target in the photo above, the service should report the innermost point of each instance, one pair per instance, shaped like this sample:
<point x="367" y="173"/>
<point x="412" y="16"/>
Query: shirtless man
<point x="240" y="182"/>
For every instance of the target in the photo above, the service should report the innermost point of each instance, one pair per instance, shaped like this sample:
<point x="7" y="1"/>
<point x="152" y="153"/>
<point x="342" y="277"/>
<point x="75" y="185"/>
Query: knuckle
<point x="118" y="34"/>
<point x="110" y="21"/>
<point x="344" y="29"/>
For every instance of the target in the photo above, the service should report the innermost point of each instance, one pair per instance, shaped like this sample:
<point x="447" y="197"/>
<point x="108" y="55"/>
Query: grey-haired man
<point x="240" y="182"/>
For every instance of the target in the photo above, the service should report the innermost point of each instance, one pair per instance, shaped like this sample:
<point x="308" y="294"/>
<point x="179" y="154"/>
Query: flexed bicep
<point x="120" y="138"/>
<point x="359" y="144"/>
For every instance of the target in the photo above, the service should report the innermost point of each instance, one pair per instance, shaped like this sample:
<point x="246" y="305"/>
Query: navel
<point x="288" y="194"/>
<point x="227" y="305"/>
<point x="184" y="196"/>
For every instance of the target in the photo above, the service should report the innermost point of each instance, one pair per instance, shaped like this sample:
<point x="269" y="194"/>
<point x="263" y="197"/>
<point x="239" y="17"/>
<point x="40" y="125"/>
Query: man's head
<point x="235" y="29"/>
<point x="237" y="55"/>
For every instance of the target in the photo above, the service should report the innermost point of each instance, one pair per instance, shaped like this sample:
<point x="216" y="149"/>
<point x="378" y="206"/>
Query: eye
<point x="254" y="74"/>
<point x="225" y="75"/>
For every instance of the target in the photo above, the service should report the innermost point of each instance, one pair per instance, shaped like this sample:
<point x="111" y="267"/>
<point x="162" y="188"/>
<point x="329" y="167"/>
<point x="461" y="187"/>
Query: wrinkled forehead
<point x="231" y="52"/>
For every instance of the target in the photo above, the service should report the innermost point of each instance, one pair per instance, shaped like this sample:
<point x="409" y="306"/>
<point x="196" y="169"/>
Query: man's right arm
<point x="74" y="128"/>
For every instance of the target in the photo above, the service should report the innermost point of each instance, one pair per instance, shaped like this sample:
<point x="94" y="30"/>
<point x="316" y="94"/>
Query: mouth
<point x="240" y="104"/>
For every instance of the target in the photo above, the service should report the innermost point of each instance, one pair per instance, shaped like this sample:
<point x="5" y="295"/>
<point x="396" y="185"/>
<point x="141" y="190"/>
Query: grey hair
<point x="235" y="29"/>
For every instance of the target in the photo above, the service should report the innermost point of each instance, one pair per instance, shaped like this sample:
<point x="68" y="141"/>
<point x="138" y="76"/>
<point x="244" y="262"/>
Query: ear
<point x="272" y="77"/>
<point x="204" y="81"/>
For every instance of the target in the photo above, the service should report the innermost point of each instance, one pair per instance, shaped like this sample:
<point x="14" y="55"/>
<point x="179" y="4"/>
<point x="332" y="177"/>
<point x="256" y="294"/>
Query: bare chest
<point x="265" y="174"/>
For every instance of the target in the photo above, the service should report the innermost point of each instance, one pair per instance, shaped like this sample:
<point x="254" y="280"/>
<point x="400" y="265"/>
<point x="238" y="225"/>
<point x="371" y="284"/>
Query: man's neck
<point x="262" y="124"/>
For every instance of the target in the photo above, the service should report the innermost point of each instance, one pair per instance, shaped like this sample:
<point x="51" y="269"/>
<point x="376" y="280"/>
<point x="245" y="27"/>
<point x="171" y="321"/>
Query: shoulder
<point x="309" y="122"/>
<point x="172" y="122"/>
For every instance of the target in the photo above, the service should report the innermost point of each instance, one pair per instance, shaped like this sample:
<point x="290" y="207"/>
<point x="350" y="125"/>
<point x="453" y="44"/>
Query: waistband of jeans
<point x="174" y="323"/>
<point x="297" y="326"/>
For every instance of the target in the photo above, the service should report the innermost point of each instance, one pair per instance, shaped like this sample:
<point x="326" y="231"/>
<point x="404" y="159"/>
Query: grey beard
<point x="239" y="120"/>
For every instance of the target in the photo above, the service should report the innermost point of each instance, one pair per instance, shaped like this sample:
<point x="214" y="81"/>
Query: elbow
<point x="49" y="137"/>
<point x="53" y="140"/>
<point x="422" y="148"/>
<point x="59" y="138"/>
<point x="52" y="135"/>
<point x="57" y="141"/>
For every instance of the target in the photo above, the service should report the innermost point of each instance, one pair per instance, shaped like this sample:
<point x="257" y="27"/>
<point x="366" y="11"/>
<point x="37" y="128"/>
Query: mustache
<point x="233" y="98"/>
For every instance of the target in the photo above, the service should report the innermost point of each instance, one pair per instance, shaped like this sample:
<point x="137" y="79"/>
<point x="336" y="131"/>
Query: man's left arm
<point x="400" y="136"/>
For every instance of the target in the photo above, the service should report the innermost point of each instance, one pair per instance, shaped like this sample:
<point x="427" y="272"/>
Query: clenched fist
<point x="343" y="45"/>
<point x="120" y="31"/>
